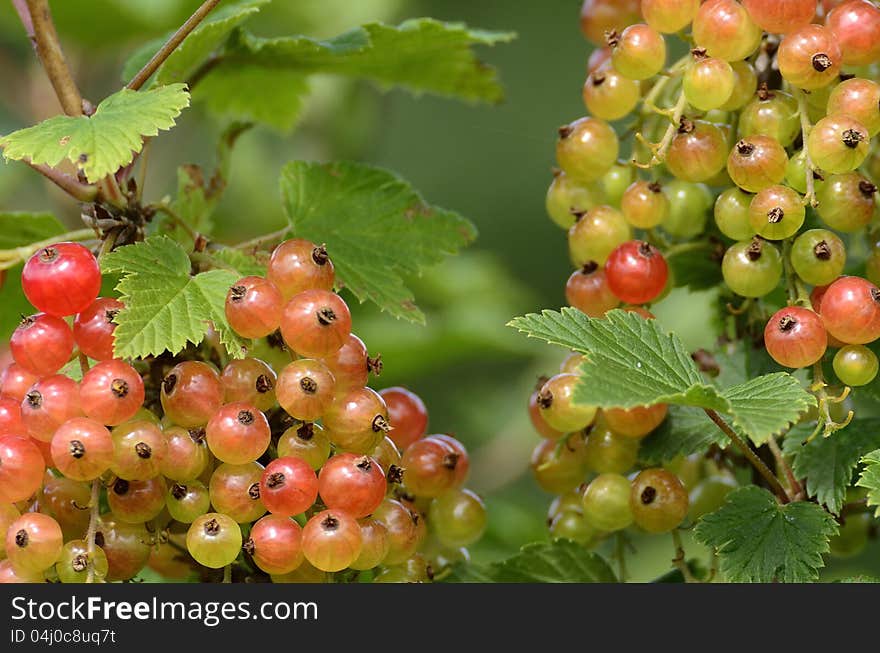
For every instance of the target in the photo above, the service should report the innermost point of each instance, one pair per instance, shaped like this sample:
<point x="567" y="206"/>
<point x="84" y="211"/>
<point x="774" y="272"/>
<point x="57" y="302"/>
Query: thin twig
<point x="95" y="508"/>
<point x="11" y="257"/>
<point x="660" y="149"/>
<point x="679" y="560"/>
<point x="24" y="15"/>
<point x="806" y="128"/>
<point x="227" y="574"/>
<point x="795" y="491"/>
<point x="52" y="57"/>
<point x="175" y="218"/>
<point x="77" y="190"/>
<point x="83" y="363"/>
<point x="266" y="239"/>
<point x="757" y="463"/>
<point x="171" y="45"/>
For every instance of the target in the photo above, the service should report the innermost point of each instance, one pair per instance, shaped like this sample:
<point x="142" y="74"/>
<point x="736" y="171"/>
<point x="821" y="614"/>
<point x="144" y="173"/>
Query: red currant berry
<point x="375" y="545"/>
<point x="586" y="149"/>
<point x="538" y="421"/>
<point x="773" y="114"/>
<point x="635" y="422"/>
<point x="405" y="530"/>
<point x="298" y="265"/>
<point x="351" y="483"/>
<point x="249" y="380"/>
<point x="838" y="144"/>
<point x="658" y="501"/>
<point x="708" y="82"/>
<point x="111" y="392"/>
<point x="601" y="16"/>
<point x="42" y="344"/>
<point x="332" y="540"/>
<point x="357" y="421"/>
<point x="136" y="502"/>
<point x="275" y="544"/>
<point x="253" y="307"/>
<point x="850" y="308"/>
<point x="638" y="52"/>
<point x="795" y="337"/>
<point x="10" y="417"/>
<point x="186" y="454"/>
<point x="698" y="151"/>
<point x="93" y="328"/>
<point x="636" y="272"/>
<point x="15" y="381"/>
<point x="463" y="464"/>
<point x="62" y="279"/>
<point x="781" y="17"/>
<point x="127" y="547"/>
<point x="235" y="491"/>
<point x="669" y="16"/>
<point x="139" y="447"/>
<point x="214" y="540"/>
<point x="307" y="441"/>
<point x="752" y="268"/>
<point x="82" y="449"/>
<point x="810" y="58"/>
<point x="856" y="27"/>
<point x="351" y="364"/>
<point x="430" y="467"/>
<point x="595" y="234"/>
<point x="48" y="404"/>
<point x="756" y="163"/>
<point x="407" y="415"/>
<point x="21" y="468"/>
<point x="305" y="389"/>
<point x="288" y="486"/>
<point x="609" y="95"/>
<point x="859" y="99"/>
<point x="316" y="323"/>
<point x="191" y="394"/>
<point x="238" y="433"/>
<point x="33" y="543"/>
<point x="726" y="30"/>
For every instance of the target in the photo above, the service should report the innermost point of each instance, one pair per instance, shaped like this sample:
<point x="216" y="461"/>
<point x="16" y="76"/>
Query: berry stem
<point x="227" y="574"/>
<point x="77" y="190"/>
<point x="9" y="258"/>
<point x="757" y="463"/>
<point x="806" y="128"/>
<point x="266" y="239"/>
<point x="660" y="149"/>
<point x="171" y="45"/>
<point x="796" y="492"/>
<point x="825" y="424"/>
<point x="94" y="510"/>
<point x="680" y="561"/>
<point x="797" y="292"/>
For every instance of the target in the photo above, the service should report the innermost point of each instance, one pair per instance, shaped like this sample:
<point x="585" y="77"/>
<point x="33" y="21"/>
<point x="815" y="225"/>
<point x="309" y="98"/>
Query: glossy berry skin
<point x="332" y="540"/>
<point x="669" y="16"/>
<point x="757" y="162"/>
<point x="777" y="213"/>
<point x="658" y="501"/>
<point x="606" y="503"/>
<point x="93" y="328"/>
<point x="689" y="206"/>
<point x="859" y="99"/>
<point x="855" y="365"/>
<point x="250" y="380"/>
<point x="316" y="323"/>
<point x="752" y="268"/>
<point x="818" y="256"/>
<point x="21" y="468"/>
<point x="810" y="58"/>
<point x="253" y="307"/>
<point x="850" y="308"/>
<point x="127" y="547"/>
<point x="726" y="30"/>
<point x="795" y="337"/>
<point x="708" y="83"/>
<point x="238" y="433"/>
<point x="856" y="27"/>
<point x="744" y="86"/>
<point x="214" y="540"/>
<point x="139" y="447"/>
<point x="136" y="502"/>
<point x="375" y="544"/>
<point x="288" y="486"/>
<point x="405" y="530"/>
<point x="357" y="420"/>
<point x="386" y="454"/>
<point x="732" y="214"/>
<point x="10" y="417"/>
<point x="588" y="291"/>
<point x="639" y="52"/>
<point x="48" y="404"/>
<point x="538" y="422"/>
<point x="351" y="364"/>
<point x="111" y="392"/>
<point x="601" y="16"/>
<point x="42" y="344"/>
<point x="430" y="467"/>
<point x="407" y="415"/>
<point x="596" y="234"/>
<point x="644" y="205"/>
<point x="306" y="441"/>
<point x="33" y="543"/>
<point x="838" y="144"/>
<point x="15" y="381"/>
<point x="781" y="17"/>
<point x="297" y="265"/>
<point x="698" y="151"/>
<point x="636" y="422"/>
<point x="458" y="517"/>
<point x="351" y="483"/>
<point x="63" y="499"/>
<point x="463" y="464"/>
<point x="586" y="149"/>
<point x="82" y="449"/>
<point x="557" y="406"/>
<point x="235" y="491"/>
<point x="305" y="389"/>
<point x="609" y="95"/>
<point x="566" y="198"/>
<point x="275" y="544"/>
<point x="186" y="454"/>
<point x="63" y="279"/>
<point x="773" y="114"/>
<point x="75" y="562"/>
<point x="846" y="201"/>
<point x="636" y="272"/>
<point x="186" y="502"/>
<point x="191" y="394"/>
<point x="607" y="452"/>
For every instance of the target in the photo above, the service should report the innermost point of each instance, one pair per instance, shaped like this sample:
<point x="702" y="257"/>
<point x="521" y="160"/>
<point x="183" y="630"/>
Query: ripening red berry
<point x="357" y="421"/>
<point x="351" y="364"/>
<point x="82" y="449"/>
<point x="235" y="491"/>
<point x="297" y="265"/>
<point x="795" y="337"/>
<point x="305" y="389"/>
<point x="726" y="30"/>
<point x="781" y="17"/>
<point x="375" y="544"/>
<point x="538" y="421"/>
<point x="186" y="454"/>
<point x="42" y="344"/>
<point x="810" y="57"/>
<point x="407" y="415"/>
<point x="601" y="16"/>
<point x="609" y="95"/>
<point x="10" y="417"/>
<point x="136" y="502"/>
<point x="316" y="323"/>
<point x="253" y="307"/>
<point x="191" y="394"/>
<point x="429" y="467"/>
<point x="61" y="279"/>
<point x="587" y="149"/>
<point x="463" y="464"/>
<point x="588" y="291"/>
<point x="288" y="486"/>
<point x="859" y="99"/>
<point x="15" y="381"/>
<point x="33" y="543"/>
<point x="669" y="16"/>
<point x="698" y="151"/>
<point x="93" y="328"/>
<point x="850" y="308"/>
<point x="406" y="530"/>
<point x="351" y="483"/>
<point x="21" y="468"/>
<point x="838" y="143"/>
<point x="856" y="26"/>
<point x="250" y="380"/>
<point x="332" y="540"/>
<point x="275" y="544"/>
<point x="636" y="272"/>
<point x="139" y="447"/>
<point x="638" y="52"/>
<point x="635" y="422"/>
<point x="757" y="162"/>
<point x="111" y="392"/>
<point x="49" y="403"/>
<point x="238" y="433"/>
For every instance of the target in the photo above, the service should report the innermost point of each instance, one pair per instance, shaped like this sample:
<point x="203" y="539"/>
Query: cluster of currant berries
<point x="185" y="464"/>
<point x="766" y="123"/>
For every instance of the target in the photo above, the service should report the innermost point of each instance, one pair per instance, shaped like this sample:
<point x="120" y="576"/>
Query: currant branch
<point x="806" y="127"/>
<point x="9" y="258"/>
<point x="94" y="514"/>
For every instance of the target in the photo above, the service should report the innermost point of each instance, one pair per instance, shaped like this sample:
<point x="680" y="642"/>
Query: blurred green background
<point x="492" y="164"/>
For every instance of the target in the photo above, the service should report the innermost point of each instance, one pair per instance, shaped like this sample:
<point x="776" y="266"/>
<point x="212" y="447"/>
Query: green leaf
<point x="244" y="264"/>
<point x="560" y="561"/>
<point x="18" y="229"/>
<point x="193" y="205"/>
<point x="197" y="47"/>
<point x="870" y="478"/>
<point x="828" y="463"/>
<point x="632" y="361"/>
<point x="377" y="228"/>
<point x="759" y="540"/>
<point x="166" y="307"/>
<point x="102" y="143"/>
<point x="685" y="431"/>
<point x="696" y="269"/>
